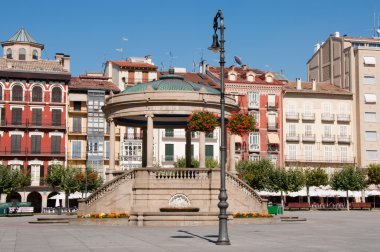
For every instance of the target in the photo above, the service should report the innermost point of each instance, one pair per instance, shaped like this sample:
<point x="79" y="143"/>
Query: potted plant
<point x="241" y="124"/>
<point x="203" y="121"/>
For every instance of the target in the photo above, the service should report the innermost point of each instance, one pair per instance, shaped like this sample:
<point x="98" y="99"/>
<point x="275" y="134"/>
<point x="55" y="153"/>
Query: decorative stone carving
<point x="179" y="200"/>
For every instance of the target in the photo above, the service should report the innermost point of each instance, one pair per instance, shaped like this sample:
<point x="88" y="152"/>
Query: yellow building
<point x="88" y="130"/>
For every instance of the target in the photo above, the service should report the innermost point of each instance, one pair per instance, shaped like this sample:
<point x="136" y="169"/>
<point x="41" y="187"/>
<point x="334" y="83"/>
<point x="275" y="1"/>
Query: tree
<point x="374" y="174"/>
<point x="12" y="180"/>
<point x="256" y="174"/>
<point x="348" y="179"/>
<point x="315" y="177"/>
<point x="282" y="180"/>
<point x="94" y="181"/>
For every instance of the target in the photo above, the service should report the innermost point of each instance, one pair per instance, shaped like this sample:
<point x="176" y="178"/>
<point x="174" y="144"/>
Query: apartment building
<point x="260" y="94"/>
<point x="318" y="126"/>
<point x="88" y="130"/>
<point x="352" y="63"/>
<point x="33" y="112"/>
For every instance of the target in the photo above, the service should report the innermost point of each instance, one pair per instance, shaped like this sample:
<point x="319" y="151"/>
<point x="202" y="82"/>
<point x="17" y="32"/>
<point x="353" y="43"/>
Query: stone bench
<point x="299" y="206"/>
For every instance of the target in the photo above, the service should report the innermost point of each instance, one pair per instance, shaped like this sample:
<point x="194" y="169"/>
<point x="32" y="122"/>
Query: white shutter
<point x="271" y="100"/>
<point x="369" y="60"/>
<point x="370" y="98"/>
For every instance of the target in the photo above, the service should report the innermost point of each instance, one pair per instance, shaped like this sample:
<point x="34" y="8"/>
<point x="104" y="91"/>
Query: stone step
<point x="50" y="222"/>
<point x="292" y="219"/>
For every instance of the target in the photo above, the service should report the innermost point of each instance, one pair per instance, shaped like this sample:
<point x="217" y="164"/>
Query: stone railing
<point x="109" y="187"/>
<point x="181" y="173"/>
<point x="242" y="186"/>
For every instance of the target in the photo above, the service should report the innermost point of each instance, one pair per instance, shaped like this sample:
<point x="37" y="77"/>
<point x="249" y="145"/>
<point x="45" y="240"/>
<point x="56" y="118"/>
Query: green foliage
<point x="256" y="174"/>
<point x="94" y="181"/>
<point x="211" y="163"/>
<point x="286" y="180"/>
<point x="181" y="163"/>
<point x="12" y="180"/>
<point x="316" y="177"/>
<point x="374" y="174"/>
<point x="63" y="178"/>
<point x="348" y="179"/>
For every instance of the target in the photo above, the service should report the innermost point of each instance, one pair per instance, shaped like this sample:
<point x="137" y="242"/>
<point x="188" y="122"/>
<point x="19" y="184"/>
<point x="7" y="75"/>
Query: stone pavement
<point x="323" y="231"/>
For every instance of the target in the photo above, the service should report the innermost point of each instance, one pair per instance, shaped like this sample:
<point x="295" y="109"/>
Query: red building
<point x="260" y="94"/>
<point x="33" y="108"/>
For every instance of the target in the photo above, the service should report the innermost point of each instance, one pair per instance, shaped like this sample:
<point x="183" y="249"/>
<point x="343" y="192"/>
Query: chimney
<point x="298" y="81"/>
<point x="59" y="57"/>
<point x="314" y="84"/>
<point x="317" y="46"/>
<point x="336" y="34"/>
<point x="244" y="67"/>
<point x="66" y="63"/>
<point x="202" y="67"/>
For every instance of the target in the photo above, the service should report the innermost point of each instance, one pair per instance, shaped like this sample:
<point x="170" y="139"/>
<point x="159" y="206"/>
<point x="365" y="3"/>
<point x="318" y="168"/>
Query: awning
<point x="369" y="60"/>
<point x="370" y="98"/>
<point x="273" y="138"/>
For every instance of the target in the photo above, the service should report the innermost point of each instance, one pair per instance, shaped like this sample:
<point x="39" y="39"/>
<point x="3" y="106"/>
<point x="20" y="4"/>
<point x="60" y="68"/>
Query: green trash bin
<point x="275" y="209"/>
<point x="3" y="211"/>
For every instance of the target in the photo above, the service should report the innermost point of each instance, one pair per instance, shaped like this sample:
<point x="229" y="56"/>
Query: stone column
<point x="112" y="145"/>
<point x="231" y="167"/>
<point x="188" y="149"/>
<point x="202" y="150"/>
<point x="149" y="141"/>
<point x="144" y="145"/>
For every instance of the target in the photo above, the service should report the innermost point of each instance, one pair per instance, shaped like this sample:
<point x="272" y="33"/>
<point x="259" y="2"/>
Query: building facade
<point x="351" y="63"/>
<point x="33" y="94"/>
<point x="260" y="94"/>
<point x="318" y="126"/>
<point x="88" y="131"/>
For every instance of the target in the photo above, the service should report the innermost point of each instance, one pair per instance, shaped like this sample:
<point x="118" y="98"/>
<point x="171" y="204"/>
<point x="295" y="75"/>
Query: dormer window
<point x="232" y="77"/>
<point x="35" y="55"/>
<point x="9" y="53"/>
<point x="21" y="54"/>
<point x="250" y="78"/>
<point x="269" y="78"/>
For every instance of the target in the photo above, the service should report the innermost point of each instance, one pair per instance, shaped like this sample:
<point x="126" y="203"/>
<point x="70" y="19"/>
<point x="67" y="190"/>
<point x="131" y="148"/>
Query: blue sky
<point x="269" y="35"/>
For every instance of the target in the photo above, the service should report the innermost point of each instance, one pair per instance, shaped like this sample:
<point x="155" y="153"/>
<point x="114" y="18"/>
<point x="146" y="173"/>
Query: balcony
<point x="319" y="159"/>
<point x="308" y="116"/>
<point x="253" y="105"/>
<point x="77" y="112"/>
<point x="273" y="148"/>
<point x="326" y="117"/>
<point x="78" y="131"/>
<point x="170" y="136"/>
<point x="292" y="137"/>
<point x="292" y="116"/>
<point x="272" y="106"/>
<point x="272" y="126"/>
<point x="308" y="138"/>
<point x="343" y="118"/>
<point x="133" y="136"/>
<point x="328" y="139"/>
<point x="34" y="125"/>
<point x="344" y="139"/>
<point x="45" y="152"/>
<point x="254" y="147"/>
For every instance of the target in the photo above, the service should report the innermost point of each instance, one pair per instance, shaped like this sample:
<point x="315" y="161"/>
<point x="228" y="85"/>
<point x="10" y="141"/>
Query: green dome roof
<point x="170" y="82"/>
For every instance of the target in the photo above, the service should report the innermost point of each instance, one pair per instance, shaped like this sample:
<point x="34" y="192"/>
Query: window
<point x="371" y="155"/>
<point x="271" y="100"/>
<point x="37" y="94"/>
<point x="107" y="150"/>
<point x="16" y="116"/>
<point x="308" y="149"/>
<point x="21" y="54"/>
<point x="328" y="153"/>
<point x="327" y="130"/>
<point x="272" y="121"/>
<point x="292" y="152"/>
<point x="56" y="117"/>
<point x="2" y="116"/>
<point x="369" y="80"/>
<point x="55" y="144"/>
<point x="254" y="141"/>
<point x="250" y="78"/>
<point x="17" y="93"/>
<point x="342" y="108"/>
<point x="370" y="98"/>
<point x="76" y="149"/>
<point x="36" y="117"/>
<point x="371" y="136"/>
<point x="253" y="100"/>
<point x="192" y="151"/>
<point x="35" y="144"/>
<point x="1" y="92"/>
<point x="209" y="134"/>
<point x="343" y="132"/>
<point x="169" y="152"/>
<point x="326" y="108"/>
<point x="35" y="173"/>
<point x="9" y="53"/>
<point x="308" y="129"/>
<point x="209" y="151"/>
<point x="169" y="132"/>
<point x="292" y="109"/>
<point x="343" y="154"/>
<point x="369" y="61"/>
<point x="308" y="108"/>
<point x="370" y="116"/>
<point x="77" y="105"/>
<point x="232" y="77"/>
<point x="256" y="116"/>
<point x="35" y="55"/>
<point x="16" y="144"/>
<point x="56" y="95"/>
<point x="254" y="157"/>
<point x="291" y="129"/>
<point x="77" y="124"/>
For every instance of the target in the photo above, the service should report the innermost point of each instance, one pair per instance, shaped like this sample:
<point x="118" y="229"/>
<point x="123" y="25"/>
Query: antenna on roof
<point x="238" y="60"/>
<point x="376" y="26"/>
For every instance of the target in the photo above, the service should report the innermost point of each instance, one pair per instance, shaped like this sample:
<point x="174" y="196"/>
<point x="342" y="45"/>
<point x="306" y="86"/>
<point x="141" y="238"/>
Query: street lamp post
<point x="223" y="205"/>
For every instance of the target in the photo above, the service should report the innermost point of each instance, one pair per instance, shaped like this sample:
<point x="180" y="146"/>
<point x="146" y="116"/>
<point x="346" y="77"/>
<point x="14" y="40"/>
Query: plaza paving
<point x="323" y="231"/>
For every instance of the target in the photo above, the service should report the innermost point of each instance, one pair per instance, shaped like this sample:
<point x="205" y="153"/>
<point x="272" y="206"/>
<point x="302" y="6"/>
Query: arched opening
<point x="9" y="53"/>
<point x="1" y="92"/>
<point x="21" y="54"/>
<point x="37" y="94"/>
<point x="51" y="203"/>
<point x="35" y="55"/>
<point x="56" y="95"/>
<point x="36" y="199"/>
<point x="17" y="93"/>
<point x="13" y="197"/>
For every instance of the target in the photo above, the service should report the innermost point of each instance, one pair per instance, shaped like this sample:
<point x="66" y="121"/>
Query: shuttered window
<point x="37" y="117"/>
<point x="1" y="93"/>
<point x="37" y="94"/>
<point x="16" y="143"/>
<point x="77" y="124"/>
<point x="36" y="144"/>
<point x="2" y="116"/>
<point x="76" y="149"/>
<point x="107" y="150"/>
<point x="169" y="152"/>
<point x="56" y="117"/>
<point x="17" y="93"/>
<point x="209" y="151"/>
<point x="55" y="144"/>
<point x="56" y="95"/>
<point x="16" y="116"/>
